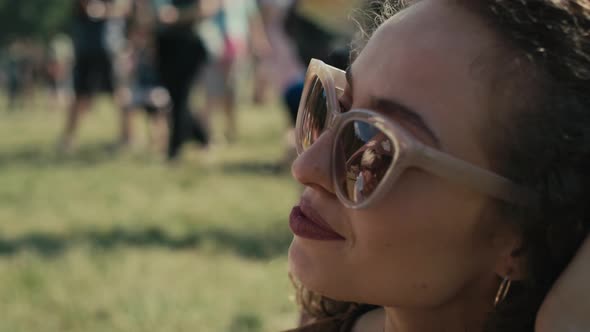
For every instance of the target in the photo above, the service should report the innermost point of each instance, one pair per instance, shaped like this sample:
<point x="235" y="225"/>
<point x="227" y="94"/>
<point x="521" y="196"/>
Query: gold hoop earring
<point x="503" y="290"/>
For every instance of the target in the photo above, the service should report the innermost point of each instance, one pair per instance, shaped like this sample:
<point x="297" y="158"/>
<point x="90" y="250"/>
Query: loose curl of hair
<point x="538" y="135"/>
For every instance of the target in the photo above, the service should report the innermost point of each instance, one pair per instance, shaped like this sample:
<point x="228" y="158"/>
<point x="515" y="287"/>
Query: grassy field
<point x="110" y="241"/>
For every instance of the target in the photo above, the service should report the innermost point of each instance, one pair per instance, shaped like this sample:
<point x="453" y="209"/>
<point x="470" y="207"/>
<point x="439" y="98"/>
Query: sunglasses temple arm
<point x="477" y="178"/>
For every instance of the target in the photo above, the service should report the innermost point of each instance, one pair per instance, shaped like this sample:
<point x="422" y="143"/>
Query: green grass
<point x="105" y="241"/>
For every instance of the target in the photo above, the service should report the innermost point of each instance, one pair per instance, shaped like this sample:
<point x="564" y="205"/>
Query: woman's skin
<point x="427" y="253"/>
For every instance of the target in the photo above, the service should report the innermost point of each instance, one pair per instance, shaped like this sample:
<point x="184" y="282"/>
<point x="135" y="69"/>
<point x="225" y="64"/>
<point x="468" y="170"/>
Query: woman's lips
<point x="305" y="226"/>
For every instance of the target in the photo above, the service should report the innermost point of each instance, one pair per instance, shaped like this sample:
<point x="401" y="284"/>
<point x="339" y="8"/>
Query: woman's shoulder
<point x="369" y="321"/>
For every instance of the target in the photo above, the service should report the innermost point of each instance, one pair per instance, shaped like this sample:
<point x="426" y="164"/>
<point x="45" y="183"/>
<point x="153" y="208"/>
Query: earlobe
<point x="518" y="263"/>
<point x="513" y="264"/>
<point x="510" y="252"/>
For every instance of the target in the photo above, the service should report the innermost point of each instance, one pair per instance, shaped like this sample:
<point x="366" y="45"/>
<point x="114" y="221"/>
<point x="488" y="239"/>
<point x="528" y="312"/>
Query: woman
<point x="446" y="172"/>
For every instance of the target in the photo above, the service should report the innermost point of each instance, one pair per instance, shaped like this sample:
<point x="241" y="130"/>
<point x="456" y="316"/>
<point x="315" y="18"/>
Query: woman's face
<point x="426" y="243"/>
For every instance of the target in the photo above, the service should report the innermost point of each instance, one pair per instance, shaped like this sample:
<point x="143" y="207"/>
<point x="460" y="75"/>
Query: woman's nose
<point x="313" y="167"/>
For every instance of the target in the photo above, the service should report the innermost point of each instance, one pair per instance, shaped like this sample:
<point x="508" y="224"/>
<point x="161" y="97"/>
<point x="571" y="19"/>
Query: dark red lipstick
<point x="306" y="225"/>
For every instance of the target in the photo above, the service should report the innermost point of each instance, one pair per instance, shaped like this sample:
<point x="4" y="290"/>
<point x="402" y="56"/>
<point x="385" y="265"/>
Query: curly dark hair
<point x="538" y="135"/>
<point x="544" y="143"/>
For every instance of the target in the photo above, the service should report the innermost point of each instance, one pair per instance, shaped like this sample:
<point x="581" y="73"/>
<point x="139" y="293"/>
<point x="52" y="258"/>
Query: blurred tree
<point x="38" y="19"/>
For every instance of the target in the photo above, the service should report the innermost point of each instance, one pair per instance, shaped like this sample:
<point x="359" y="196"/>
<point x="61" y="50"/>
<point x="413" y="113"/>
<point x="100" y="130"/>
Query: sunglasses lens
<point x="363" y="156"/>
<point x="314" y="115"/>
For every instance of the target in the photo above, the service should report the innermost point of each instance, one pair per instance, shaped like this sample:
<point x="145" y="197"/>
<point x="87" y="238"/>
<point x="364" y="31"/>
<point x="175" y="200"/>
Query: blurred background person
<point x="97" y="34"/>
<point x="281" y="69"/>
<point x="299" y="30"/>
<point x="21" y="68"/>
<point x="142" y="89"/>
<point x="15" y="69"/>
<point x="58" y="67"/>
<point x="233" y="35"/>
<point x="181" y="55"/>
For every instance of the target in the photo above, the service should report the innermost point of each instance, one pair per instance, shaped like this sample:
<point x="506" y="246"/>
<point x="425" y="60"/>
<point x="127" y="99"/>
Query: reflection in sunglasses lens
<point x="314" y="113"/>
<point x="363" y="157"/>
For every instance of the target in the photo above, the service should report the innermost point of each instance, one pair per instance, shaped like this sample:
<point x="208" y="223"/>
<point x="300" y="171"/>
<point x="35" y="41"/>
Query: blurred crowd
<point x="149" y="56"/>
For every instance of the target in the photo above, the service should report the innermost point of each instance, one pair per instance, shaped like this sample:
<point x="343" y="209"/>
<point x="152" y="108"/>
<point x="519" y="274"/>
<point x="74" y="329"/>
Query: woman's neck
<point x="467" y="312"/>
<point x="396" y="320"/>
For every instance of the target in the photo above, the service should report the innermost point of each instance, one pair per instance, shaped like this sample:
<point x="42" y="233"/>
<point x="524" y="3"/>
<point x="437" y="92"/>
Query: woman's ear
<point x="512" y="258"/>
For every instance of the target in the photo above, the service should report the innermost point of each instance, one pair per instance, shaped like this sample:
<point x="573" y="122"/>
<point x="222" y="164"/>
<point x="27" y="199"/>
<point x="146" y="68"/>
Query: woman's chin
<point x="302" y="266"/>
<point x="298" y="260"/>
<point x="306" y="270"/>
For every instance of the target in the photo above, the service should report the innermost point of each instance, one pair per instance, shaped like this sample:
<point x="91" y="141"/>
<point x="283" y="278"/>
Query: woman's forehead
<point x="429" y="42"/>
<point x="432" y="25"/>
<point x="424" y="57"/>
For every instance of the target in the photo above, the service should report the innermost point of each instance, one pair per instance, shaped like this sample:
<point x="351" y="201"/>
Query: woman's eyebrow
<point x="406" y="113"/>
<point x="399" y="109"/>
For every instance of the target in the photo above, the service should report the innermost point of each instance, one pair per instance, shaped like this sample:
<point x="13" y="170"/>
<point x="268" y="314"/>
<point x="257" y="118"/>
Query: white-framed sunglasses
<point x="369" y="151"/>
